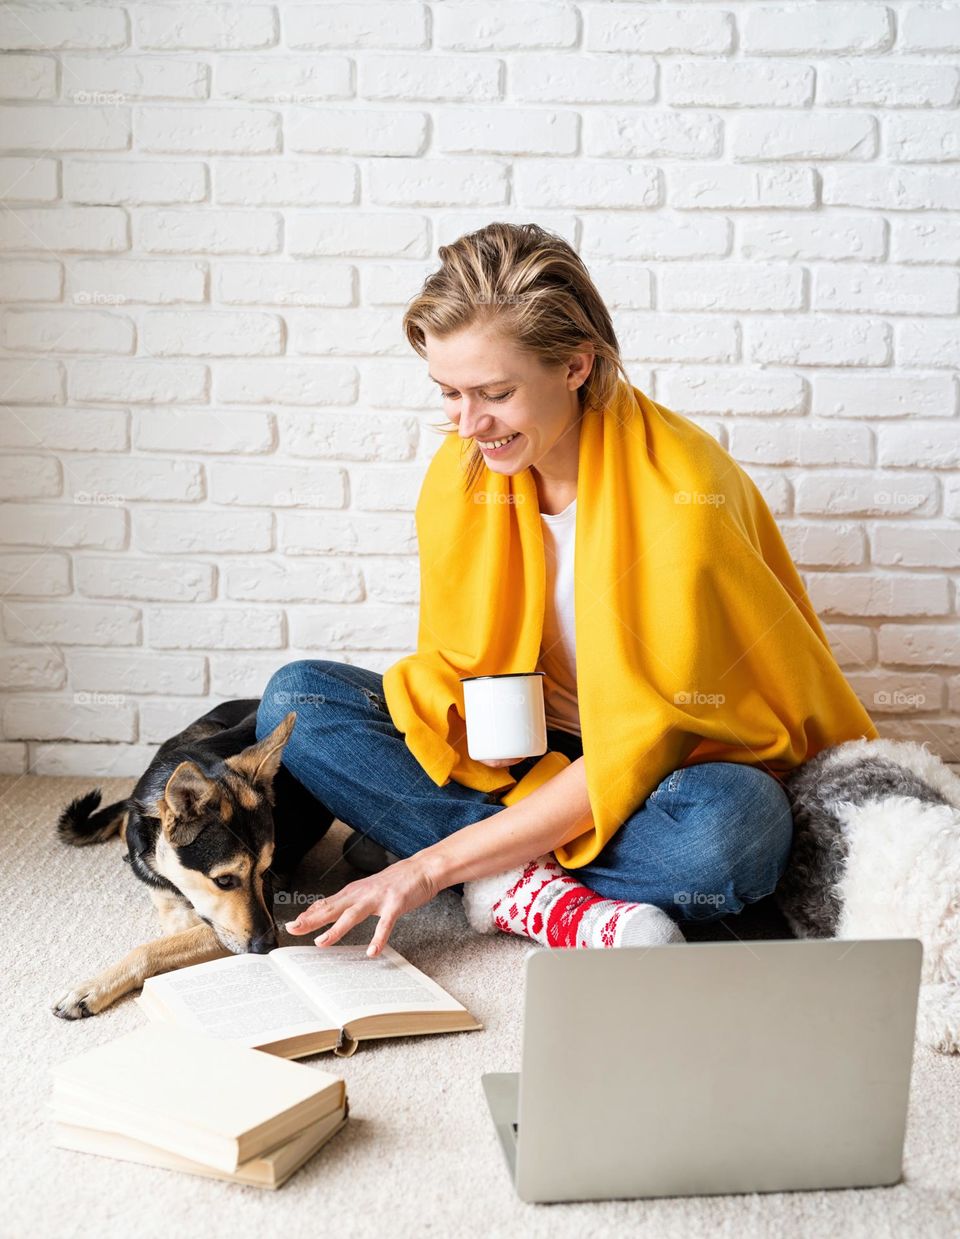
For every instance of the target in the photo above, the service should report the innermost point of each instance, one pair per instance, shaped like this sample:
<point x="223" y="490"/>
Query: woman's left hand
<point x="399" y="888"/>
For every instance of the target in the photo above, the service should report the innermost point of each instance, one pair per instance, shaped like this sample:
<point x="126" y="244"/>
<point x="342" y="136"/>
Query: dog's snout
<point x="264" y="943"/>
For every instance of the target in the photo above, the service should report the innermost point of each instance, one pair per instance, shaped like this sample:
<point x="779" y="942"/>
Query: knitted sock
<point x="544" y="902"/>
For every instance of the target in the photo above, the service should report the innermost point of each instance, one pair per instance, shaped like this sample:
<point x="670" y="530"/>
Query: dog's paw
<point x="78" y="1003"/>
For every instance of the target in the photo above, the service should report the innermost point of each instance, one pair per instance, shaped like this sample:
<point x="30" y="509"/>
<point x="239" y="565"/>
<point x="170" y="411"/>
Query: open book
<point x="300" y="1000"/>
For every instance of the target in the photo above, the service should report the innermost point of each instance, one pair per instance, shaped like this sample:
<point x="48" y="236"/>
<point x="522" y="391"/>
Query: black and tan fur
<point x="214" y="825"/>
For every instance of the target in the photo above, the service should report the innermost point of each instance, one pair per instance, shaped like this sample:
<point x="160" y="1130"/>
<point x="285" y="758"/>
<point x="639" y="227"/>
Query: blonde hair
<point x="534" y="288"/>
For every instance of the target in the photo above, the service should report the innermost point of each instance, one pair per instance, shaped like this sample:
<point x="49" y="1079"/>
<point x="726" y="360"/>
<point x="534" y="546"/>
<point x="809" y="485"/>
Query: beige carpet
<point x="419" y="1153"/>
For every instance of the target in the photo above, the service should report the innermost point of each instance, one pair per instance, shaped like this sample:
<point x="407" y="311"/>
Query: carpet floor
<point x="419" y="1153"/>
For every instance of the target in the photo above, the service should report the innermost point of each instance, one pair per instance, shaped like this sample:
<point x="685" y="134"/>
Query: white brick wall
<point x="214" y="433"/>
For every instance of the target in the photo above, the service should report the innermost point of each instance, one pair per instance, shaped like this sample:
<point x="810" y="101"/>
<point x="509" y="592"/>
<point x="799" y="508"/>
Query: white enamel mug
<point x="504" y="715"/>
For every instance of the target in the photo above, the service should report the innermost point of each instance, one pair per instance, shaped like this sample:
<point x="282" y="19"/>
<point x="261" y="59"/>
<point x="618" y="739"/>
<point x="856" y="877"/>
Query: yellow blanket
<point x="695" y="638"/>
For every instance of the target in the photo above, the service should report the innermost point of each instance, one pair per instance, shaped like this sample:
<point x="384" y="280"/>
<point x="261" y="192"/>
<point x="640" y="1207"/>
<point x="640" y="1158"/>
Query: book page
<point x="348" y="984"/>
<point x="242" y="998"/>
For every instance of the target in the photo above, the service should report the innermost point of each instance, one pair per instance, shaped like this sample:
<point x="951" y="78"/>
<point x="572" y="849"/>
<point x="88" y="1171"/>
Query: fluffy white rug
<point x="876" y="854"/>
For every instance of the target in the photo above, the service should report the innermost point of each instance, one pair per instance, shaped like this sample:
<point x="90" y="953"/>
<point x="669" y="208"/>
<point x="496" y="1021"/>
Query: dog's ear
<point x="259" y="762"/>
<point x="187" y="793"/>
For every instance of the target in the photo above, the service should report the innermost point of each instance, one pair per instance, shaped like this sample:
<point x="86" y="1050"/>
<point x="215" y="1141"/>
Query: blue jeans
<point x="708" y="839"/>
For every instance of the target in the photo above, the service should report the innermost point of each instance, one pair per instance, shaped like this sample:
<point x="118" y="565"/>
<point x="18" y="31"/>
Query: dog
<point x="214" y="824"/>
<point x="876" y="854"/>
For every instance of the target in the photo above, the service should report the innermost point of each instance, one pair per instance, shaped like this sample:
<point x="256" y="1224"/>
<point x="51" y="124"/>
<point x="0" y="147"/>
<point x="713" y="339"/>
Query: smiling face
<point x="493" y="390"/>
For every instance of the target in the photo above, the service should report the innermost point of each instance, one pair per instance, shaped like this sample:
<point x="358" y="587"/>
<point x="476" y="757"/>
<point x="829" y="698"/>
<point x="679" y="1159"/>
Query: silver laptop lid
<point x="715" y="1067"/>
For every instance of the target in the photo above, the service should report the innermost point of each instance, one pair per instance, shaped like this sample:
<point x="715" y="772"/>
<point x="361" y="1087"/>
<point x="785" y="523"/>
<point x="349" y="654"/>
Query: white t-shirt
<point x="558" y="649"/>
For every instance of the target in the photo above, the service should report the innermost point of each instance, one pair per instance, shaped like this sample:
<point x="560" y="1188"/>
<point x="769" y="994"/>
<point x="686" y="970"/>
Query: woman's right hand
<point x="504" y="761"/>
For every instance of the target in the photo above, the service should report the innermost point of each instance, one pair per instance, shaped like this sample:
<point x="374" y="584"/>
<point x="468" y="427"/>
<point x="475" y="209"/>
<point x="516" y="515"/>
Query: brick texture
<point x="213" y="432"/>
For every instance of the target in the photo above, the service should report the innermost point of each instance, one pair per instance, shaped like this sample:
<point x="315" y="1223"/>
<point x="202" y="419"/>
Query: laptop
<point x="713" y="1067"/>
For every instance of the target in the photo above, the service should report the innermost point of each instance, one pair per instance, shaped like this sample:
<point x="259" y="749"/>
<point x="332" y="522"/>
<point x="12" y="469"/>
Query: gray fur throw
<point x="876" y="853"/>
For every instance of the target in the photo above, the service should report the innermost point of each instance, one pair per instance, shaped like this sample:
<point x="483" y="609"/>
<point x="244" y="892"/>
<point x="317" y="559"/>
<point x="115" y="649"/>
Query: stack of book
<point x="182" y="1100"/>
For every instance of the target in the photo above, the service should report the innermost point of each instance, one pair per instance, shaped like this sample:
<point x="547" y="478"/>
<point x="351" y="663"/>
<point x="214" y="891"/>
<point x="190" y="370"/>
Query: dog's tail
<point x="80" y="823"/>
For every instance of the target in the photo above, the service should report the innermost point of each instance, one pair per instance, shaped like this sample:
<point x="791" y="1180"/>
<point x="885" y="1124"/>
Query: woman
<point x="695" y="673"/>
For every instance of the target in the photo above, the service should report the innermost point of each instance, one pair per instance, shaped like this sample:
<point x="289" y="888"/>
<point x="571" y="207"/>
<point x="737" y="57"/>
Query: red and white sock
<point x="542" y="901"/>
